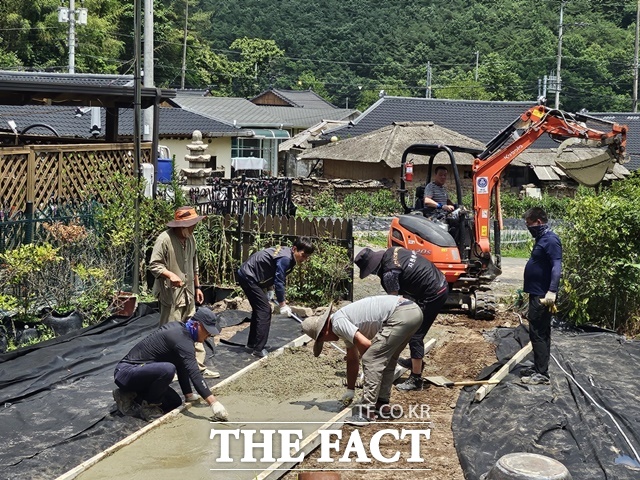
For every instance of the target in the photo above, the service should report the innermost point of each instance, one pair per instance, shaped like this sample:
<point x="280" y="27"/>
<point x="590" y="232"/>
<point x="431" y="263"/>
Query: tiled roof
<point x="301" y="140"/>
<point x="66" y="122"/>
<point x="234" y="111"/>
<point x="307" y="117"/>
<point x="301" y="98"/>
<point x="80" y="79"/>
<point x="475" y="119"/>
<point x="631" y="120"/>
<point x="480" y="120"/>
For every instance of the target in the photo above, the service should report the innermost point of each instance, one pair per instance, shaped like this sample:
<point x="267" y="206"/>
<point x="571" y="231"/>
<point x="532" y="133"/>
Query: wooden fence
<point x="286" y="229"/>
<point x="38" y="173"/>
<point x="242" y="233"/>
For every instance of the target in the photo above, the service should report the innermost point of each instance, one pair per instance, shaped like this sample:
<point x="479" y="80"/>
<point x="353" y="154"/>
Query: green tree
<point x="253" y="72"/>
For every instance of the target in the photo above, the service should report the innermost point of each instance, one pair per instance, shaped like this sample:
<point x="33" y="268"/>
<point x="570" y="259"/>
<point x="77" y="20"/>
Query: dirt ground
<point x="461" y="352"/>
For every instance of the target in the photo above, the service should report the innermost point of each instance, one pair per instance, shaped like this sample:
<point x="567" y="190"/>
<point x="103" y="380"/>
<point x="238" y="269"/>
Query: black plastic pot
<point x="222" y="293"/>
<point x="26" y="335"/>
<point x="63" y="323"/>
<point x="3" y="339"/>
<point x="209" y="292"/>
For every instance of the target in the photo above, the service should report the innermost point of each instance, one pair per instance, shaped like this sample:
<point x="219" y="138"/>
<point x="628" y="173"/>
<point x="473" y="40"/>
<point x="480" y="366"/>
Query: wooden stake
<point x="503" y="372"/>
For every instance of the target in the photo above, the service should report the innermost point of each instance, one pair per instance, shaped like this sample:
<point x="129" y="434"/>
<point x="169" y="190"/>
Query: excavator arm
<point x="506" y="146"/>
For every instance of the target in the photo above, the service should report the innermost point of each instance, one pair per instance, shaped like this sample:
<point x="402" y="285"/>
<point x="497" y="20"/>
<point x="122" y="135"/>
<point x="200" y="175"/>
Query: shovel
<point x="441" y="381"/>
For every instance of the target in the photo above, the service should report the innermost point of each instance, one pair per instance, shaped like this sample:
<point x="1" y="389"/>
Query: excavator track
<point x="485" y="305"/>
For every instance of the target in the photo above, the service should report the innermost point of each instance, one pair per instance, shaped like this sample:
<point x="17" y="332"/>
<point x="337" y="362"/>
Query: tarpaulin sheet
<point x="56" y="406"/>
<point x="592" y="426"/>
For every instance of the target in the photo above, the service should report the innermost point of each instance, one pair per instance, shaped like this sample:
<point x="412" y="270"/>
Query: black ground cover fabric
<point x="56" y="407"/>
<point x="560" y="421"/>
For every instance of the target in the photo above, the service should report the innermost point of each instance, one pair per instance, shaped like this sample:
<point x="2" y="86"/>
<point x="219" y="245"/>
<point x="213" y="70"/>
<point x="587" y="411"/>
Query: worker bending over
<point x="375" y="329"/>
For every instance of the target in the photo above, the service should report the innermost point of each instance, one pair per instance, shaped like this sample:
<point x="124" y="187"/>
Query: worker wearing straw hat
<point x="174" y="264"/>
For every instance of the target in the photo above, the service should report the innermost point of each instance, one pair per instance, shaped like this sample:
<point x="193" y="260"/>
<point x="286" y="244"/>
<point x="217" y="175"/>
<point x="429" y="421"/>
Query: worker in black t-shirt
<point x="143" y="376"/>
<point x="405" y="272"/>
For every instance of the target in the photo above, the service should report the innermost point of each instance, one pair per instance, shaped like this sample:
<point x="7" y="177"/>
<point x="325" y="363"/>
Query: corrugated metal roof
<point x="545" y="173"/>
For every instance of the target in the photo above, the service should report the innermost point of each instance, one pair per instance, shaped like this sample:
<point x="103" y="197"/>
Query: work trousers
<point x="430" y="311"/>
<point x="379" y="361"/>
<point x="260" y="312"/>
<point x="539" y="318"/>
<point x="150" y="381"/>
<point x="171" y="313"/>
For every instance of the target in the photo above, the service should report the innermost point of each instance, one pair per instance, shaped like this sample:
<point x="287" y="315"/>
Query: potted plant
<point x="217" y="266"/>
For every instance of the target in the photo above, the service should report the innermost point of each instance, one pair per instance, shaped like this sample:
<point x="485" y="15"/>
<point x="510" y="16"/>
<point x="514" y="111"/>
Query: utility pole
<point x="635" y="61"/>
<point x="427" y="92"/>
<point x="68" y="15"/>
<point x="137" y="152"/>
<point x="72" y="36"/>
<point x="559" y="65"/>
<point x="184" y="43"/>
<point x="478" y="61"/>
<point x="148" y="79"/>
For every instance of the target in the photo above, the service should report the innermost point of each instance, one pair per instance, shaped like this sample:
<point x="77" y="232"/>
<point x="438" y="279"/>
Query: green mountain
<point x="350" y="50"/>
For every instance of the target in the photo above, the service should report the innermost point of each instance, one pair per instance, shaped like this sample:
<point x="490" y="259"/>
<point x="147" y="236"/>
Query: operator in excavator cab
<point x="437" y="205"/>
<point x="436" y="197"/>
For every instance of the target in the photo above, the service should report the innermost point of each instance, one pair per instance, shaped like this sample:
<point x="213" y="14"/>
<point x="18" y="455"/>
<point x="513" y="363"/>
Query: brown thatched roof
<point x="387" y="145"/>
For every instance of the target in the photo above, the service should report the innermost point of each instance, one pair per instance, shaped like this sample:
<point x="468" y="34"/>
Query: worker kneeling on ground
<point x="377" y="329"/>
<point x="145" y="373"/>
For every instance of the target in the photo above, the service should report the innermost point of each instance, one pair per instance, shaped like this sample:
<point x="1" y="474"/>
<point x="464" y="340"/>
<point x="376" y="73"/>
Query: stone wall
<point x="306" y="189"/>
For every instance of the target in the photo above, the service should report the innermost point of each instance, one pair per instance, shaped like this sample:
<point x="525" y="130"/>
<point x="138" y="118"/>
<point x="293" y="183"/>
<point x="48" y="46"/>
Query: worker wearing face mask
<point x="174" y="264"/>
<point x="541" y="282"/>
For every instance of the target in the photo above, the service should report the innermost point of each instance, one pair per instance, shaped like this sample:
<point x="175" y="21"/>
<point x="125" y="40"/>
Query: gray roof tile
<point x="173" y="121"/>
<point x="234" y="111"/>
<point x="480" y="120"/>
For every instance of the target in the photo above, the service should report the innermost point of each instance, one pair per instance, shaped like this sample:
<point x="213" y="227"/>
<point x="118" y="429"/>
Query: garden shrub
<point x="321" y="279"/>
<point x="382" y="203"/>
<point x="601" y="265"/>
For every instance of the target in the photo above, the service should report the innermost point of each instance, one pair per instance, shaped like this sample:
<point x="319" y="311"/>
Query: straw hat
<point x="185" y="217"/>
<point x="313" y="326"/>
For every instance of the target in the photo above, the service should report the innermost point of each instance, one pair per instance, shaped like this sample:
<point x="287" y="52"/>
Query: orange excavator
<point x="461" y="246"/>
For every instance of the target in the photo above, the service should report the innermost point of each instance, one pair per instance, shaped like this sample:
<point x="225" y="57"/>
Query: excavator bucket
<point x="590" y="171"/>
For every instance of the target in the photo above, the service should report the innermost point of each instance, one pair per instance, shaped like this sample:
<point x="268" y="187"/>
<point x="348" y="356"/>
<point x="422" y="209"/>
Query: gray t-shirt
<point x="366" y="315"/>
<point x="436" y="193"/>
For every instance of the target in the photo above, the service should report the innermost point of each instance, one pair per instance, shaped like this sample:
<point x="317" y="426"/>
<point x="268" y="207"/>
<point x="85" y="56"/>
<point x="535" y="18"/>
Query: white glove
<point x="270" y="295"/>
<point x="286" y="310"/>
<point x="549" y="299"/>
<point x="219" y="412"/>
<point x="347" y="398"/>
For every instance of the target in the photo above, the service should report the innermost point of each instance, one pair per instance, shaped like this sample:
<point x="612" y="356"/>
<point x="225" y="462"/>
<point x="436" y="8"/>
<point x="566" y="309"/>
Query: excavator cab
<point x="445" y="239"/>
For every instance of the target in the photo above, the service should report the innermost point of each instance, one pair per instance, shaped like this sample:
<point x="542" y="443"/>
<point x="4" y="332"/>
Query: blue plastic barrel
<point x="164" y="170"/>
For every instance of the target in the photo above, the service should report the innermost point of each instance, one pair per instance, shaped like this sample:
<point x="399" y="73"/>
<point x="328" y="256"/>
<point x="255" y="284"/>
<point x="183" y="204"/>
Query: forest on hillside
<point x="348" y="51"/>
